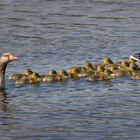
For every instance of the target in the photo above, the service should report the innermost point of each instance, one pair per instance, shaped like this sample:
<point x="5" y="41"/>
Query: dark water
<point x="58" y="34"/>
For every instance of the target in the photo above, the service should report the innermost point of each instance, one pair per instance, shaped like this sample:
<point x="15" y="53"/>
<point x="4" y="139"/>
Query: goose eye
<point x="5" y="55"/>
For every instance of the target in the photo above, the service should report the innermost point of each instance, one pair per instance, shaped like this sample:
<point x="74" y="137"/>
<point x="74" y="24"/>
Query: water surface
<point x="59" y="34"/>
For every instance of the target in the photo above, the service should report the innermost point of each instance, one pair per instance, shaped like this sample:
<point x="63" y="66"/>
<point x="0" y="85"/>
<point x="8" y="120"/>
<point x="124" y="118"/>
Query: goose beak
<point x="12" y="58"/>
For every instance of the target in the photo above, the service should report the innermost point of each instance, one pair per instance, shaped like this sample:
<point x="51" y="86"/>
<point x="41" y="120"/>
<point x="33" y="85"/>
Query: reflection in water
<point x="3" y="101"/>
<point x="7" y="118"/>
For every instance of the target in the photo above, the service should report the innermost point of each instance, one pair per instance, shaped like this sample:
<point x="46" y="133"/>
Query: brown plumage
<point x="4" y="60"/>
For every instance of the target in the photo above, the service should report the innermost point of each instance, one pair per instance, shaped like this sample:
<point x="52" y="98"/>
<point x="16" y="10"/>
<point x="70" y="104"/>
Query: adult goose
<point x="4" y="60"/>
<point x="135" y="56"/>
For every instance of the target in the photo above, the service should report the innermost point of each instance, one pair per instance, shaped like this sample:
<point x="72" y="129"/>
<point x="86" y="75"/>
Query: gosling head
<point x="63" y="73"/>
<point x="107" y="61"/>
<point x="28" y="72"/>
<point x="52" y="72"/>
<point x="88" y="66"/>
<point x="125" y="64"/>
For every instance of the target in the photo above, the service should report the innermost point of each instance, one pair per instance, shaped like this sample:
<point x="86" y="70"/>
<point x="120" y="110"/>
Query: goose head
<point x="7" y="57"/>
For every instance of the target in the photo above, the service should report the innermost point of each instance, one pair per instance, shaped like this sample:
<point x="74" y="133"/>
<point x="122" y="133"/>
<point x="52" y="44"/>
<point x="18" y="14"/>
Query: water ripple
<point x="60" y="34"/>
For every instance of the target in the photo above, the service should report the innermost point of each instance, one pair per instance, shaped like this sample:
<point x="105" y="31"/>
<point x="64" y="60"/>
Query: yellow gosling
<point x="108" y="72"/>
<point x="98" y="77"/>
<point x="27" y="72"/>
<point x="82" y="69"/>
<point x="117" y="64"/>
<point x="52" y="78"/>
<point x="100" y="69"/>
<point x="106" y="75"/>
<point x="107" y="61"/>
<point x="16" y="76"/>
<point x="74" y="73"/>
<point x="125" y="64"/>
<point x="23" y="80"/>
<point x="135" y="75"/>
<point x="93" y="77"/>
<point x="133" y="67"/>
<point x="119" y="73"/>
<point x="111" y="67"/>
<point x="64" y="75"/>
<point x="52" y="71"/>
<point x="88" y="66"/>
<point x="35" y="77"/>
<point x="86" y="73"/>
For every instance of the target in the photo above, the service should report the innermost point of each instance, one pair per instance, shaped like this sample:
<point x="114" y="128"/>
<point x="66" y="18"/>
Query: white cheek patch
<point x="134" y="58"/>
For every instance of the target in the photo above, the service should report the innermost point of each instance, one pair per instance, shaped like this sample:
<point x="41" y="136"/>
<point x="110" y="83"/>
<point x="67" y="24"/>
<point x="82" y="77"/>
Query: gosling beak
<point x="12" y="58"/>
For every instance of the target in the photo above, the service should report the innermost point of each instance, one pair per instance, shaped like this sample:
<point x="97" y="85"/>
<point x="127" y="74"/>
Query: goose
<point x="4" y="60"/>
<point x="135" y="56"/>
